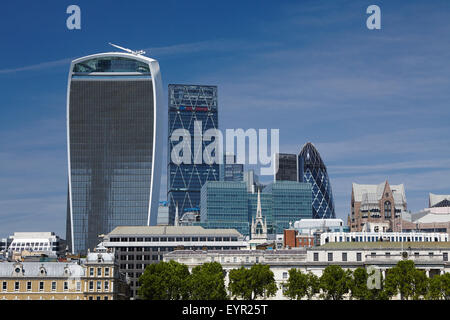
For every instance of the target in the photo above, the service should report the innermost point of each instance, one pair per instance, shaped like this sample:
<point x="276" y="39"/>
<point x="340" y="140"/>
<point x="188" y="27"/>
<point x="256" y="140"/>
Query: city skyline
<point x="374" y="103"/>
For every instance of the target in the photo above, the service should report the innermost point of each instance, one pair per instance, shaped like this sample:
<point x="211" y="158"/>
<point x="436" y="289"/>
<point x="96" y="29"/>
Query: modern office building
<point x="312" y="169"/>
<point x="192" y="108"/>
<point x="230" y="205"/>
<point x="291" y="201"/>
<point x="137" y="247"/>
<point x="47" y="243"/>
<point x="163" y="213"/>
<point x="230" y="170"/>
<point x="287" y="167"/>
<point x="224" y="204"/>
<point x="377" y="203"/>
<point x="251" y="179"/>
<point x="114" y="140"/>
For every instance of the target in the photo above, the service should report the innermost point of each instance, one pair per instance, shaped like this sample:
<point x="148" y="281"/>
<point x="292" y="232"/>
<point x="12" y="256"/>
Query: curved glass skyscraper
<point x="313" y="170"/>
<point x="114" y="142"/>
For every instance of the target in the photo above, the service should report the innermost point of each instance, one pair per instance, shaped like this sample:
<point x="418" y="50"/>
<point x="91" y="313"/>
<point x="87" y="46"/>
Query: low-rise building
<point x="35" y="243"/>
<point x="383" y="236"/>
<point x="96" y="277"/>
<point x="138" y="246"/>
<point x="429" y="256"/>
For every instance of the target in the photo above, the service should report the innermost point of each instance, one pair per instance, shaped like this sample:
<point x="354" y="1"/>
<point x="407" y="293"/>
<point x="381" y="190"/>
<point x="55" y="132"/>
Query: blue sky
<point x="375" y="103"/>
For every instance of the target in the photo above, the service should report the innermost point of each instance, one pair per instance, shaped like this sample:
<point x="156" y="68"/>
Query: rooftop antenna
<point x="136" y="53"/>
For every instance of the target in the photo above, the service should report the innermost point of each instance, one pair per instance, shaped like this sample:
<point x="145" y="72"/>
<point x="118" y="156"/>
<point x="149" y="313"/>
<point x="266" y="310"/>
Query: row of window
<point x="170" y="239"/>
<point x="29" y="286"/>
<point x="99" y="272"/>
<point x="330" y="256"/>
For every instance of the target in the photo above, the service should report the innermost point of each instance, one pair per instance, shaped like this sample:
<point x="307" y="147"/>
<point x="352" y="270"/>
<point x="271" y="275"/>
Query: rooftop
<point x="33" y="269"/>
<point x="171" y="230"/>
<point x="383" y="245"/>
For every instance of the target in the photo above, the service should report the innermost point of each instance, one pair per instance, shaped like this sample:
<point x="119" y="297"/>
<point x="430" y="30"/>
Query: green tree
<point x="358" y="286"/>
<point x="405" y="279"/>
<point x="207" y="282"/>
<point x="249" y="284"/>
<point x="419" y="284"/>
<point x="313" y="287"/>
<point x="164" y="281"/>
<point x="297" y="284"/>
<point x="335" y="282"/>
<point x="435" y="291"/>
<point x="445" y="285"/>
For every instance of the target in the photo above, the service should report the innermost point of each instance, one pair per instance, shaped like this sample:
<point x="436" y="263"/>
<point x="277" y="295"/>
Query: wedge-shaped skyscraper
<point x="114" y="140"/>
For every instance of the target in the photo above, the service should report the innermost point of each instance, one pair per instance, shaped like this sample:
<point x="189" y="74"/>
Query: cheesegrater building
<point x="114" y="140"/>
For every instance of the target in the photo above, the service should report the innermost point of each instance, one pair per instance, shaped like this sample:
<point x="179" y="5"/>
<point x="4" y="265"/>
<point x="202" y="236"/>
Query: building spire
<point x="176" y="222"/>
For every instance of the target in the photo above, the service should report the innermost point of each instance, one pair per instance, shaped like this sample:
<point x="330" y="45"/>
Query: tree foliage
<point x="207" y="282"/>
<point x="297" y="285"/>
<point x="301" y="284"/>
<point x="335" y="282"/>
<point x="249" y="284"/>
<point x="164" y="281"/>
<point x="406" y="280"/>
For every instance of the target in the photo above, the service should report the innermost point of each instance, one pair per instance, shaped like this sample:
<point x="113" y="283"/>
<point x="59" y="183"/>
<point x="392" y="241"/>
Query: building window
<point x="99" y="272"/>
<point x="373" y="254"/>
<point x="66" y="286"/>
<point x="91" y="272"/>
<point x="106" y="272"/>
<point x="78" y="286"/>
<point x="106" y="285"/>
<point x="430" y="254"/>
<point x="285" y="275"/>
<point x="445" y="256"/>
<point x="99" y="285"/>
<point x="388" y="254"/>
<point x="344" y="256"/>
<point x="387" y="209"/>
<point x="330" y="256"/>
<point x="28" y="285"/>
<point x="53" y="285"/>
<point x="5" y="286"/>
<point x="41" y="286"/>
<point x="91" y="285"/>
<point x="358" y="256"/>
<point x="106" y="297"/>
<point x="316" y="256"/>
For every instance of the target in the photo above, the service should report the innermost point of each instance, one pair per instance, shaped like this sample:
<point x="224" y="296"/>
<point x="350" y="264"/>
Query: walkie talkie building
<point x="114" y="141"/>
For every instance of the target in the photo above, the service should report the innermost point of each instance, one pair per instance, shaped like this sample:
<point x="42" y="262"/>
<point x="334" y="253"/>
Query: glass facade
<point x="229" y="205"/>
<point x="110" y="131"/>
<point x="224" y="204"/>
<point x="230" y="170"/>
<point x="313" y="170"/>
<point x="287" y="167"/>
<point x="188" y="104"/>
<point x="291" y="201"/>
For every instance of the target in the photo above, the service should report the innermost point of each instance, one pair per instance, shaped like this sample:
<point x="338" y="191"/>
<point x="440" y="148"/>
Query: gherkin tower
<point x="313" y="170"/>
